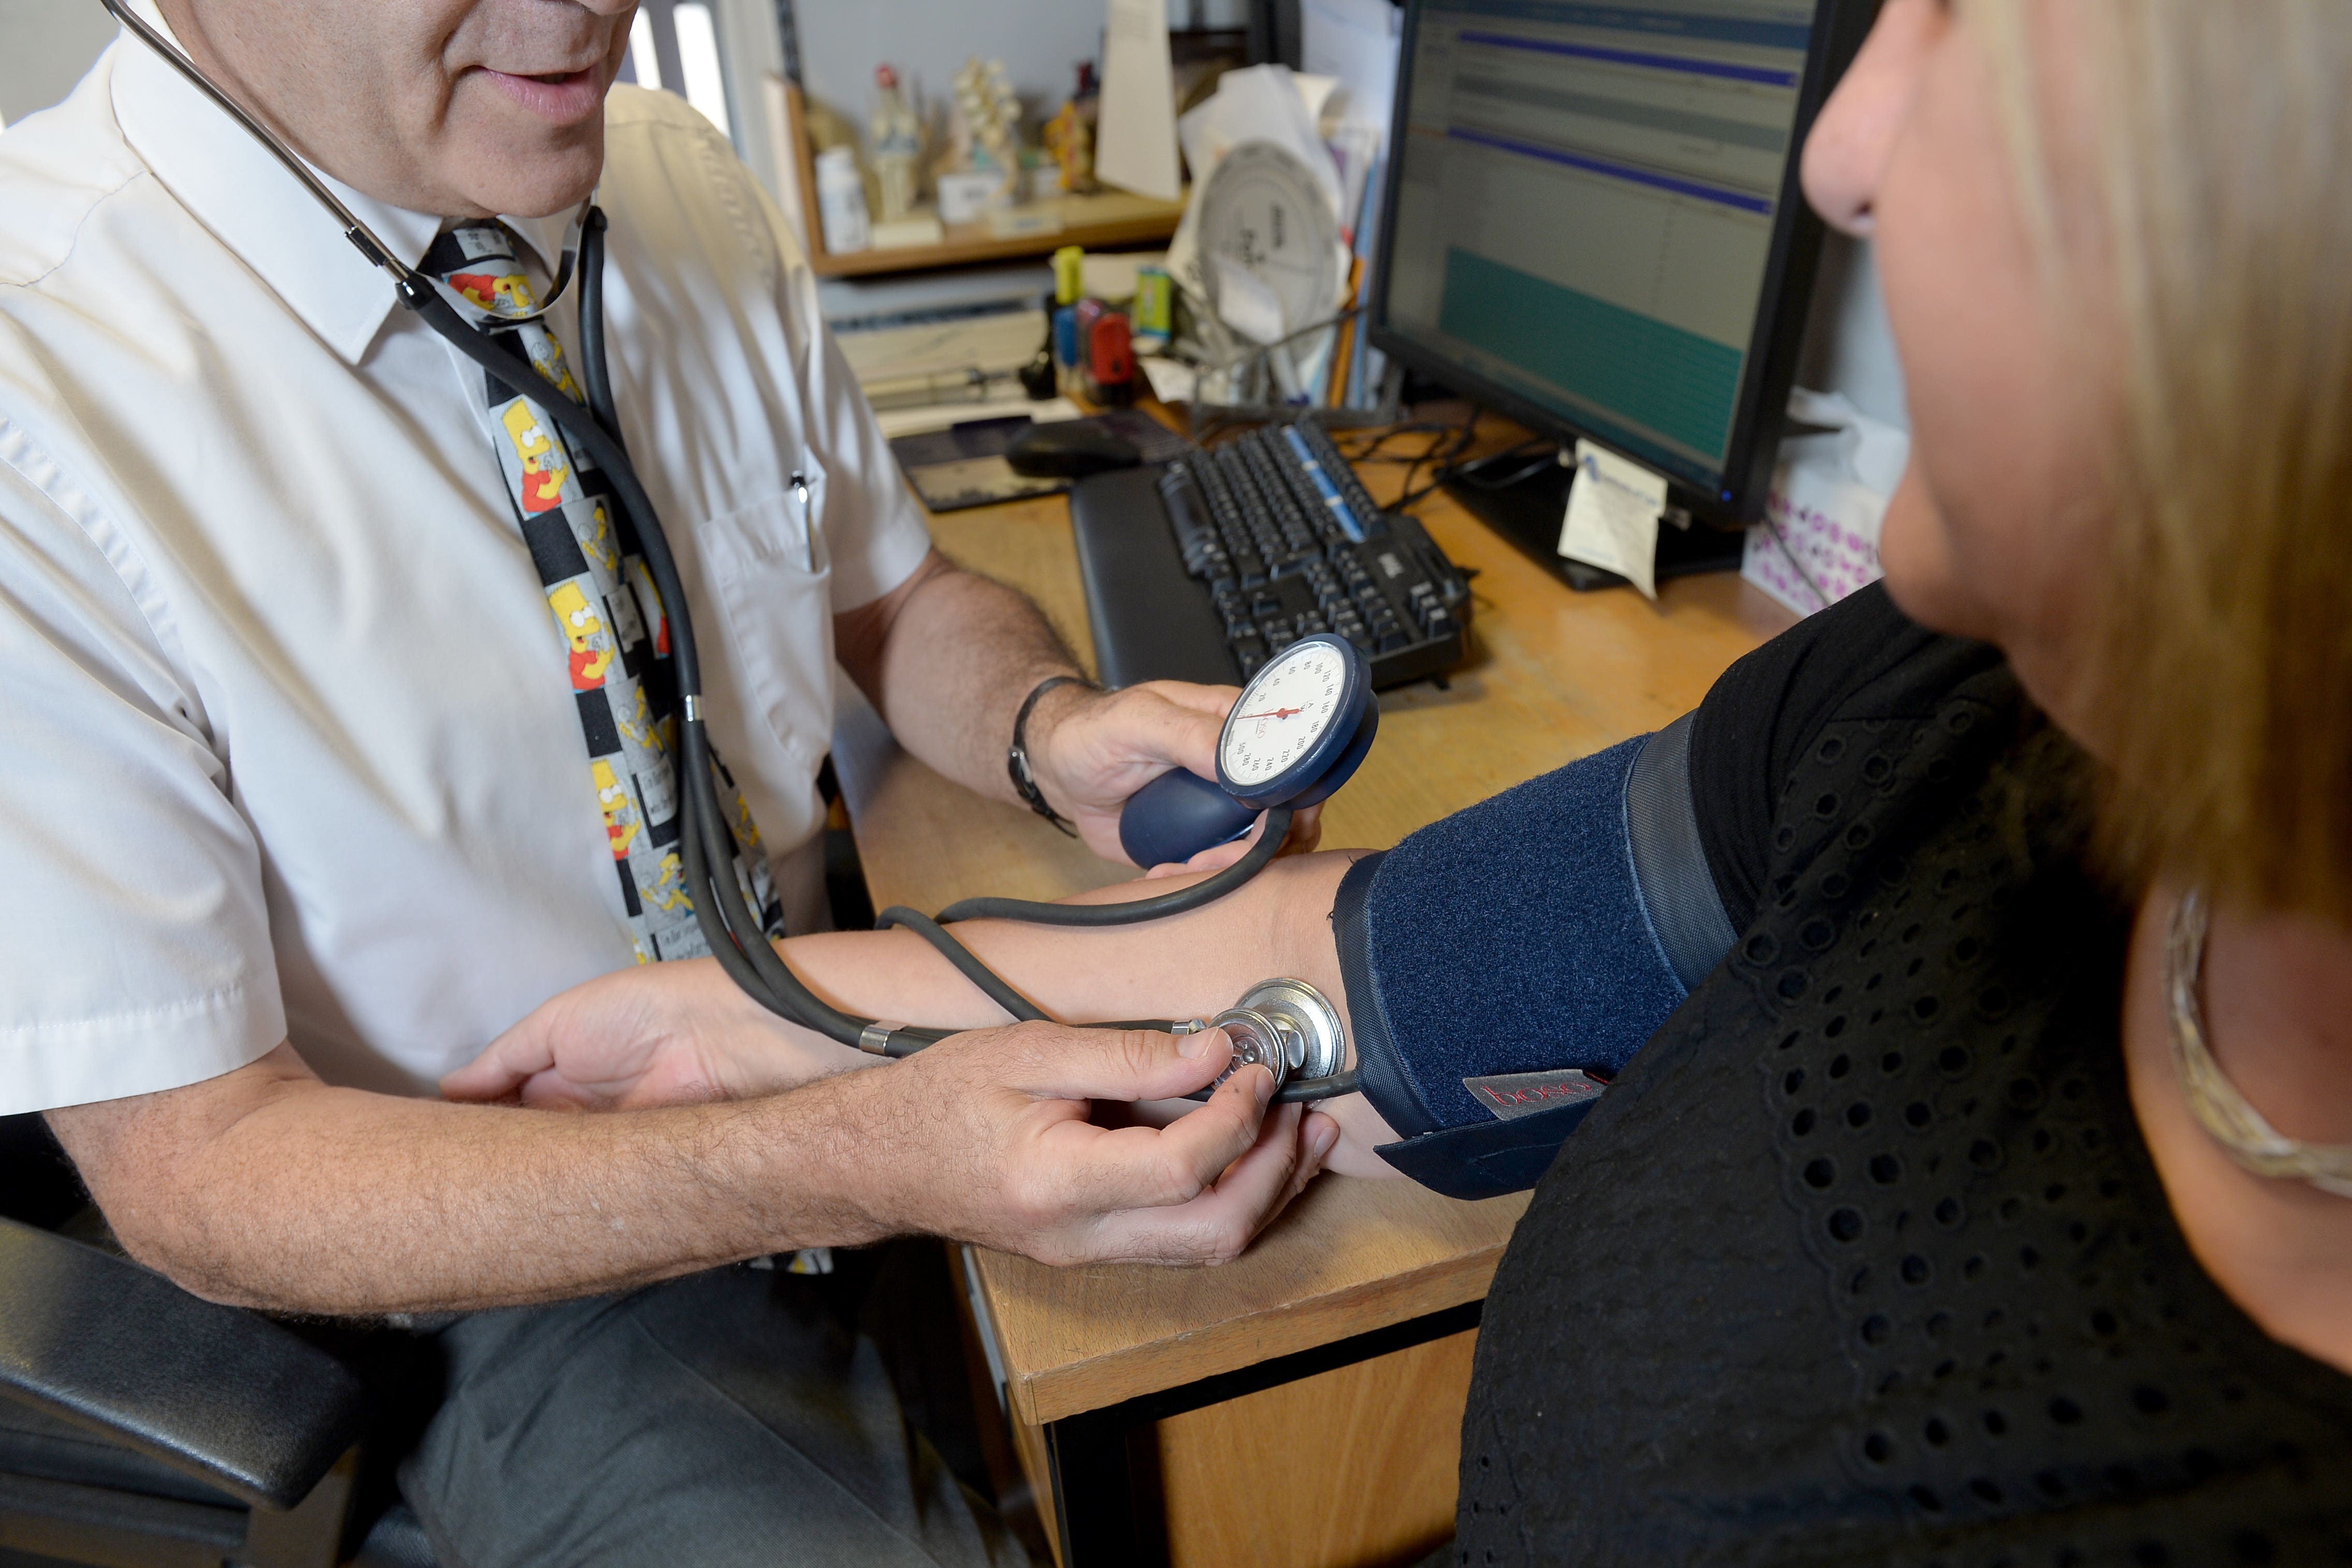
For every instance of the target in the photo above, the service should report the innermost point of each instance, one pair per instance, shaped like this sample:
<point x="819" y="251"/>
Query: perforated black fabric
<point x="1863" y="1258"/>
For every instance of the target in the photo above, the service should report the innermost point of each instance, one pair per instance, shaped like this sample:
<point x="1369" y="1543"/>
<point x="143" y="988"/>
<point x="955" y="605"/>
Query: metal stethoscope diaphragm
<point x="1285" y="1026"/>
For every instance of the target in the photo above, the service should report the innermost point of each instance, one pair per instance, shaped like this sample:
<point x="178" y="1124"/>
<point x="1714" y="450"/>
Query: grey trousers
<point x="721" y="1420"/>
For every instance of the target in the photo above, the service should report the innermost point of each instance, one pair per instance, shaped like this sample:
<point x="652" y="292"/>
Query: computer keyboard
<point x="1201" y="568"/>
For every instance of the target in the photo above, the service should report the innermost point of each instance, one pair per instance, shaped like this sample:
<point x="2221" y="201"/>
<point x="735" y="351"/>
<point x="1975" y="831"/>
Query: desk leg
<point x="1103" y="1516"/>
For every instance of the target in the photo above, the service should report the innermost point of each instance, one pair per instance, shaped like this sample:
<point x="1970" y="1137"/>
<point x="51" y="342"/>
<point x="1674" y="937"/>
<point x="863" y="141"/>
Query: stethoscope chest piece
<point x="1286" y="1027"/>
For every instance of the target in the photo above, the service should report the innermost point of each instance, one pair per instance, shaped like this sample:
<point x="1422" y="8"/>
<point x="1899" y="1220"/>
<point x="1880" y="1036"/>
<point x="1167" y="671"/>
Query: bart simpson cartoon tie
<point x="609" y="616"/>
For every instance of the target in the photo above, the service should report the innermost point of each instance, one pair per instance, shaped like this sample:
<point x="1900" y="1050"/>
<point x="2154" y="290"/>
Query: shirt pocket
<point x="771" y="577"/>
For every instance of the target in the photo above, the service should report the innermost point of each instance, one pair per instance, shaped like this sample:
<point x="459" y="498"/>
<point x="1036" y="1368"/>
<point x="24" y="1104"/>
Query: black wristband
<point x="1016" y="756"/>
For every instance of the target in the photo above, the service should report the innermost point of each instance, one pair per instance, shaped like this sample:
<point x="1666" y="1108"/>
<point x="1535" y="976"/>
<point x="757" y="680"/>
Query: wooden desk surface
<point x="1553" y="676"/>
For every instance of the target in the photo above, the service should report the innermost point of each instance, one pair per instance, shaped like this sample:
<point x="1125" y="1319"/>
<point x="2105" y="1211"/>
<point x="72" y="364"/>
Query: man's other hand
<point x="660" y="1034"/>
<point x="985" y="1138"/>
<point x="1091" y="750"/>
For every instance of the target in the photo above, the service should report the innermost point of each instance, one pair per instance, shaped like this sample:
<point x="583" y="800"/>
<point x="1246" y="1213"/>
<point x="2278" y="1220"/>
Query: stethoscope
<point x="1276" y="767"/>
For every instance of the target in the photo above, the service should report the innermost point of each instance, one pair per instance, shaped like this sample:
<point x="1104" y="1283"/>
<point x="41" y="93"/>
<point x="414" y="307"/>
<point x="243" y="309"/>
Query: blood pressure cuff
<point x="1502" y="965"/>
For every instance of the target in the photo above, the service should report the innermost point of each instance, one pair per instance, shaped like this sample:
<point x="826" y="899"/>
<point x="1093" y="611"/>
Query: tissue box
<point x="1829" y="496"/>
<point x="1831" y="528"/>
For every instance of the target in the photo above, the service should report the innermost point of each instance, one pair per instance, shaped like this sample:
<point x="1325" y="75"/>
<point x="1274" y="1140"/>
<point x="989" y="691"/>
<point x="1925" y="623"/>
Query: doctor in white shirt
<point x="298" y="809"/>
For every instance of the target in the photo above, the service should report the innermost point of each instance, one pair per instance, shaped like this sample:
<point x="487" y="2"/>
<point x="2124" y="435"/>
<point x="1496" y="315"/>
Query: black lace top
<point x="1863" y="1259"/>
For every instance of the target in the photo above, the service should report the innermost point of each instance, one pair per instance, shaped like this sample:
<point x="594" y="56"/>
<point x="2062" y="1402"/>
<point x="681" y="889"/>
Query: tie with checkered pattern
<point x="606" y="607"/>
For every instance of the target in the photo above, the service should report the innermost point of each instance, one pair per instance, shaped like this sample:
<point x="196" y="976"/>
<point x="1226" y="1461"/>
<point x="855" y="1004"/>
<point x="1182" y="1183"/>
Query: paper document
<point x="997" y="343"/>
<point x="1613" y="508"/>
<point x="1246" y="302"/>
<point x="1355" y="41"/>
<point x="1135" y="134"/>
<point x="1259" y="103"/>
<point x="1002" y="403"/>
<point x="1173" y="381"/>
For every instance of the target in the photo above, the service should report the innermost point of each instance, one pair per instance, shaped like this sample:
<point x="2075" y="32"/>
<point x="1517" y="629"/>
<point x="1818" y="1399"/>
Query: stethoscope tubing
<point x="729" y="928"/>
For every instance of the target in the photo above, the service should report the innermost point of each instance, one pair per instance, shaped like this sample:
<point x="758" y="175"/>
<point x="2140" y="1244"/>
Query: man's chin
<point x="500" y="156"/>
<point x="526" y="187"/>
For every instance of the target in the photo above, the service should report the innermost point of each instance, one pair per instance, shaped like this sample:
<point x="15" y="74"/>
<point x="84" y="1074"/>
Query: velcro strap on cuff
<point x="1486" y="1159"/>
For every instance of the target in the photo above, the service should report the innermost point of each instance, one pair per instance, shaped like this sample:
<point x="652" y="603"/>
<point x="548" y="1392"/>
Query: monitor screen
<point x="1587" y="214"/>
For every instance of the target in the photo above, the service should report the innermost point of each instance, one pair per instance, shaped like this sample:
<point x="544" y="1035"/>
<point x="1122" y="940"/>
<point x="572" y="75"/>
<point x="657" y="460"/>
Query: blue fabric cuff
<point x="1512" y="937"/>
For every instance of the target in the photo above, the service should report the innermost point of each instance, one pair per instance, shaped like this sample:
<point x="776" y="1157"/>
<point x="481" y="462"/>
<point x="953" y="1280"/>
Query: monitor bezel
<point x="1793" y="262"/>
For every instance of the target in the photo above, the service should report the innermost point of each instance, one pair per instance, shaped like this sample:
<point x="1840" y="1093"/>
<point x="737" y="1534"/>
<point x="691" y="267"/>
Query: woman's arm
<point x="682" y="1031"/>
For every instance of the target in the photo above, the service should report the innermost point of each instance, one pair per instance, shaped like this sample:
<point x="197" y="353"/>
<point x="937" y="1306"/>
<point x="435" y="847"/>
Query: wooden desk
<point x="1301" y="1404"/>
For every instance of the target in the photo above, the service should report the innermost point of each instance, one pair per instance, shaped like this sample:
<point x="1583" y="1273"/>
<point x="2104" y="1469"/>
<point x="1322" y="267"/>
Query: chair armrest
<point x="215" y="1392"/>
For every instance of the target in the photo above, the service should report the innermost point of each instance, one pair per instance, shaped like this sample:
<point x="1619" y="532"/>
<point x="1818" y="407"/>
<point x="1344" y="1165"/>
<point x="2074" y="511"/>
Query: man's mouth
<point x="564" y="97"/>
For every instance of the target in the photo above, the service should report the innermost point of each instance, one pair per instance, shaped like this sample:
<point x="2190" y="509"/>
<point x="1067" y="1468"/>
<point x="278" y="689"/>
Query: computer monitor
<point x="1592" y="223"/>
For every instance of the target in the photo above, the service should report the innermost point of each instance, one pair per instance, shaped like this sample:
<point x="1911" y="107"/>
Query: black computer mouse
<point x="1069" y="449"/>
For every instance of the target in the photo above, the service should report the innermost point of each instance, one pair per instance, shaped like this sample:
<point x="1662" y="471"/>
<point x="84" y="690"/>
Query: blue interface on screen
<point x="1586" y="203"/>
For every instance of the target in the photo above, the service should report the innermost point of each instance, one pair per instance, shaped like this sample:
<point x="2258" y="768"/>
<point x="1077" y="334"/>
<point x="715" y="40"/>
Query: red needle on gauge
<point x="1277" y="713"/>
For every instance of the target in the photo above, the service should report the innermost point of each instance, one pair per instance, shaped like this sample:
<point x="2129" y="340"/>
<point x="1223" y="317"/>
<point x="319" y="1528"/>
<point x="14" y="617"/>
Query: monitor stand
<point x="1529" y="510"/>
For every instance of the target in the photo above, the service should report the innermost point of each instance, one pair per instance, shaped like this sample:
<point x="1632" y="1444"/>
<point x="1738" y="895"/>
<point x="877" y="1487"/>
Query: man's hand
<point x="949" y="656"/>
<point x="985" y="1138"/>
<point x="660" y="1034"/>
<point x="1091" y="750"/>
<point x="268" y="1188"/>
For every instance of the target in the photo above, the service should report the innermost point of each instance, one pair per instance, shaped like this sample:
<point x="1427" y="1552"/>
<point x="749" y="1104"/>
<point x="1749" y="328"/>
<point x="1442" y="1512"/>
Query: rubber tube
<point x="1269" y="840"/>
<point x="993" y="985"/>
<point x="595" y="371"/>
<point x="729" y="928"/>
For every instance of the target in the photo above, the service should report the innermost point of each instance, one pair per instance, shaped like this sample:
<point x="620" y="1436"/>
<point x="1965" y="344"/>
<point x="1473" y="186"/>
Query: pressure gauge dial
<point x="1302" y="725"/>
<point x="1295" y="720"/>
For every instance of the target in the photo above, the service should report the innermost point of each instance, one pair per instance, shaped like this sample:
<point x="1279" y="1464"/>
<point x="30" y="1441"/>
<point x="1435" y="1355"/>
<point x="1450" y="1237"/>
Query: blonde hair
<point x="2221" y="694"/>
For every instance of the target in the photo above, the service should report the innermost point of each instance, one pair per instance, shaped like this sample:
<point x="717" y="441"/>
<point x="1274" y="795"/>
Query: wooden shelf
<point x="1098" y="222"/>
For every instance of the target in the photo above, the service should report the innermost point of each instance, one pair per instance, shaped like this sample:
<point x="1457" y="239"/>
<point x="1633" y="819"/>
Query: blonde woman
<point x="1975" y="1185"/>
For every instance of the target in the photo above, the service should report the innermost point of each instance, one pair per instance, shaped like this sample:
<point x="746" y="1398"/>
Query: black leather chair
<point x="144" y="1427"/>
<point x="140" y="1425"/>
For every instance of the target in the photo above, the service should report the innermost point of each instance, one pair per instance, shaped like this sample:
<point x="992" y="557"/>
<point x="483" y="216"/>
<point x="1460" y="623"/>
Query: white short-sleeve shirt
<point x="287" y="745"/>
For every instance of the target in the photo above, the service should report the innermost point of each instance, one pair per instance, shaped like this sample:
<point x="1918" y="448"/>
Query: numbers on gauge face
<point x="1284" y="713"/>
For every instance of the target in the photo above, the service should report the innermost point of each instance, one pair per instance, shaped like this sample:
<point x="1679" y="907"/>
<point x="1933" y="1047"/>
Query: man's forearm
<point x="949" y="658"/>
<point x="265" y="1186"/>
<point x="960" y="655"/>
<point x="280" y="1192"/>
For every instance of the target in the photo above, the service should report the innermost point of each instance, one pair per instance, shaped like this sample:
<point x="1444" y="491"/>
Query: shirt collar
<point x="234" y="187"/>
